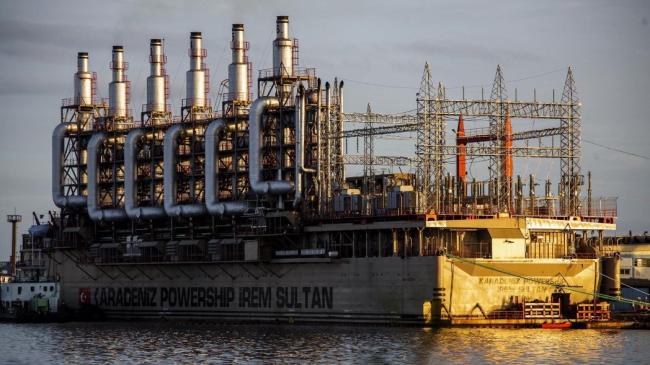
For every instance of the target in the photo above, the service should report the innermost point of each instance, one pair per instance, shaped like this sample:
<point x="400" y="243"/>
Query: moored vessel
<point x="247" y="211"/>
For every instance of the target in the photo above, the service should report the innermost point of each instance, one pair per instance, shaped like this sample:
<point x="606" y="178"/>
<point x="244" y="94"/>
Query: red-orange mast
<point x="461" y="144"/>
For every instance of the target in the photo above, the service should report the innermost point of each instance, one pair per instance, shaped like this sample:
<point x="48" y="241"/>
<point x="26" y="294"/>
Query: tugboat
<point x="29" y="294"/>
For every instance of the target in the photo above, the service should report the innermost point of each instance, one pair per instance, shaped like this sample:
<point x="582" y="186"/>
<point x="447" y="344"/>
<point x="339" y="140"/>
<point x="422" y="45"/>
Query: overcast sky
<point x="378" y="48"/>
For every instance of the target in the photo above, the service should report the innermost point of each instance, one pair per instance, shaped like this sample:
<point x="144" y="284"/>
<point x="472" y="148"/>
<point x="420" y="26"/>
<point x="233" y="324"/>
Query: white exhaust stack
<point x="156" y="82"/>
<point x="238" y="69"/>
<point x="282" y="48"/>
<point x="117" y="89"/>
<point x="83" y="81"/>
<point x="196" y="77"/>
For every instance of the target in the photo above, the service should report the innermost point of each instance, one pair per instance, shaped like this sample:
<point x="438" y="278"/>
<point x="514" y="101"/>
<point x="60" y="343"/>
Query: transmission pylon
<point x="424" y="144"/>
<point x="570" y="145"/>
<point x="498" y="100"/>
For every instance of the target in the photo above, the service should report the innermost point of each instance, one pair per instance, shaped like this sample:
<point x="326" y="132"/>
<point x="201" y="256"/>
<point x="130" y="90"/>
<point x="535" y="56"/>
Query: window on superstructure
<point x="31" y="288"/>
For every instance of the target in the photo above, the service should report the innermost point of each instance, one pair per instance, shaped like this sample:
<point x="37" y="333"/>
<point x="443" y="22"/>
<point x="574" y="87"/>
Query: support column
<point x="14" y="219"/>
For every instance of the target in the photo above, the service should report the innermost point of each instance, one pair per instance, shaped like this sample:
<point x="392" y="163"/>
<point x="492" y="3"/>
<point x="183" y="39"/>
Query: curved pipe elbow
<point x="60" y="200"/>
<point x="212" y="203"/>
<point x="169" y="170"/>
<point x="211" y="143"/>
<point x="130" y="181"/>
<point x="94" y="211"/>
<point x="256" y="112"/>
<point x="169" y="178"/>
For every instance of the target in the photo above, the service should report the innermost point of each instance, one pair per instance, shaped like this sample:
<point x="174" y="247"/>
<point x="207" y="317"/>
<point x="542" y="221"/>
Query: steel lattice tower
<point x="424" y="144"/>
<point x="570" y="145"/>
<point x="498" y="100"/>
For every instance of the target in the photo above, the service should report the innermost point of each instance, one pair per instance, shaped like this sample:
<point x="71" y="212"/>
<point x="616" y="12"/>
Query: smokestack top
<point x="238" y="27"/>
<point x="282" y="19"/>
<point x="118" y="48"/>
<point x="195" y="35"/>
<point x="82" y="55"/>
<point x="156" y="41"/>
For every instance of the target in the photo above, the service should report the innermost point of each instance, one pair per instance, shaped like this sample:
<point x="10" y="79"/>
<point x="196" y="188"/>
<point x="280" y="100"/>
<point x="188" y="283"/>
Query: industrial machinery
<point x="247" y="206"/>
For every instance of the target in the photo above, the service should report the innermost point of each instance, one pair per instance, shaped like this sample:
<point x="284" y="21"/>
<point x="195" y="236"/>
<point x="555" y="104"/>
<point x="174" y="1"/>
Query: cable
<point x="380" y="85"/>
<point x="535" y="76"/>
<point x="616" y="149"/>
<point x="622" y="283"/>
<point x="451" y="87"/>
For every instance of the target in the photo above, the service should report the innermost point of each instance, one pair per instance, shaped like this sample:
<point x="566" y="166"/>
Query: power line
<point x="616" y="149"/>
<point x="450" y="87"/>
<point x="380" y="85"/>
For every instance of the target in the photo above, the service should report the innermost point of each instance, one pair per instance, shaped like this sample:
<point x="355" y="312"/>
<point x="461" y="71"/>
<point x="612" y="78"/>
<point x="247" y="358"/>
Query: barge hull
<point x="387" y="290"/>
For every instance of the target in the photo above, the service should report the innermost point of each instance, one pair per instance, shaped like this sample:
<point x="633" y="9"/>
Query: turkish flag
<point x="84" y="295"/>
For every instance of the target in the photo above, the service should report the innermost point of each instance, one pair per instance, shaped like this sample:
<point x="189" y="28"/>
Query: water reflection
<point x="189" y="343"/>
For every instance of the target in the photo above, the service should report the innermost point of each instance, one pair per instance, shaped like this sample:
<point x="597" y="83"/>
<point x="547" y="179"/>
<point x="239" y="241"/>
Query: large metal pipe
<point x="238" y="69"/>
<point x="58" y="157"/>
<point x="196" y="76"/>
<point x="117" y="95"/>
<point x="156" y="96"/>
<point x="83" y="81"/>
<point x="95" y="211"/>
<point x="212" y="203"/>
<point x="300" y="145"/>
<point x="257" y="110"/>
<point x="131" y="207"/>
<point x="319" y="147"/>
<point x="169" y="177"/>
<point x="328" y="141"/>
<point x="339" y="133"/>
<point x="282" y="48"/>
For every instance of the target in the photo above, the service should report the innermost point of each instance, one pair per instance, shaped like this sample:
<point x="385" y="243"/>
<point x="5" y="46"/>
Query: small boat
<point x="560" y="325"/>
<point x="29" y="294"/>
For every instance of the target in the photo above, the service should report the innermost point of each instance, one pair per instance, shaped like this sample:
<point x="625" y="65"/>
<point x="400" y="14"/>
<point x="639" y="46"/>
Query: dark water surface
<point x="189" y="343"/>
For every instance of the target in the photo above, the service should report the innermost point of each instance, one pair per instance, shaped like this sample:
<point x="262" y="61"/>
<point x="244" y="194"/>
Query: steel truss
<point x="434" y="108"/>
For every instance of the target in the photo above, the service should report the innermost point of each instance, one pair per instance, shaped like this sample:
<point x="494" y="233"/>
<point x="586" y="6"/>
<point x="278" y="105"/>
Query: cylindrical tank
<point x="156" y="98"/>
<point x="195" y="91"/>
<point x="238" y="69"/>
<point x="611" y="269"/>
<point x="438" y="296"/>
<point x="117" y="93"/>
<point x="282" y="48"/>
<point x="83" y="81"/>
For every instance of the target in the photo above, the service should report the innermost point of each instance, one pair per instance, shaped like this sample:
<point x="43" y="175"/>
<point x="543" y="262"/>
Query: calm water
<point x="169" y="343"/>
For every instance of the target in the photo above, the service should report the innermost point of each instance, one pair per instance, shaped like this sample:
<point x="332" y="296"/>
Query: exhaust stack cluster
<point x="141" y="143"/>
